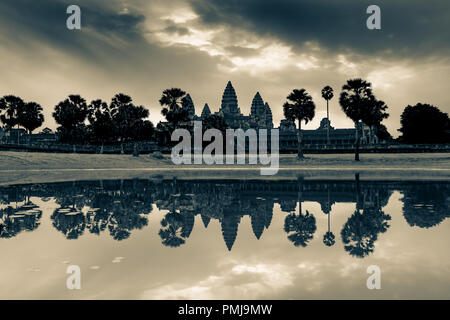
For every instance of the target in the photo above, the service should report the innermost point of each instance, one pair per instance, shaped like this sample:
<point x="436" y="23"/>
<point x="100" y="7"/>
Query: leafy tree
<point x="383" y="133"/>
<point x="327" y="94"/>
<point x="127" y="117"/>
<point x="355" y="97"/>
<point x="143" y="130"/>
<point x="426" y="205"/>
<point x="71" y="114"/>
<point x="299" y="107"/>
<point x="374" y="115"/>
<point x="118" y="210"/>
<point x="31" y="116"/>
<point x="300" y="228"/>
<point x="101" y="122"/>
<point x="173" y="231"/>
<point x="162" y="134"/>
<point x="361" y="231"/>
<point x="70" y="222"/>
<point x="11" y="108"/>
<point x="172" y="101"/>
<point x="424" y="123"/>
<point x="18" y="219"/>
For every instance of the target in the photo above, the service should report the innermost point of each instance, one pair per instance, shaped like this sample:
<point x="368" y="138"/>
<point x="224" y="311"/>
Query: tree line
<point x="121" y="121"/>
<point x="422" y="123"/>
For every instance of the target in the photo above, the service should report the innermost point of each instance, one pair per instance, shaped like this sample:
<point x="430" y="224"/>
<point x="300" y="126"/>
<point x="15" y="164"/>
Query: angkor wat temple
<point x="260" y="117"/>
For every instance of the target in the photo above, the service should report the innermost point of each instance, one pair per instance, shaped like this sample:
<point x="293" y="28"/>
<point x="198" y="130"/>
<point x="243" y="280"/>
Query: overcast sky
<point x="141" y="47"/>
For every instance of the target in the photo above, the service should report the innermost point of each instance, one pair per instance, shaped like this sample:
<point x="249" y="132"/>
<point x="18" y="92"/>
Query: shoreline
<point x="25" y="168"/>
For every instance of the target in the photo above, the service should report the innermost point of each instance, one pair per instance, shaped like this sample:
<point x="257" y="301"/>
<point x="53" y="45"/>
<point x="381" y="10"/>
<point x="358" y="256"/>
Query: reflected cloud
<point x="251" y="281"/>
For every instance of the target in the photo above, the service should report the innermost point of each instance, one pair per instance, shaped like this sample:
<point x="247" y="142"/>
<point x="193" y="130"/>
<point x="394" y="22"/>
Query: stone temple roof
<point x="189" y="105"/>
<point x="206" y="111"/>
<point x="229" y="100"/>
<point x="258" y="106"/>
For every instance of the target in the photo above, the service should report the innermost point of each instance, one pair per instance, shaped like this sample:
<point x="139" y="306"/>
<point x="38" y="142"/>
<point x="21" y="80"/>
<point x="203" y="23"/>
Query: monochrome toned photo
<point x="224" y="156"/>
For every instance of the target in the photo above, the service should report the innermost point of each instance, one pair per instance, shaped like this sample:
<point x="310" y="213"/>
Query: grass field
<point x="23" y="167"/>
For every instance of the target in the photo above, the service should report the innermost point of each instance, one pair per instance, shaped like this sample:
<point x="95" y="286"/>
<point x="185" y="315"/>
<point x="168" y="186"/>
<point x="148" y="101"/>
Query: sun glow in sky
<point x="143" y="47"/>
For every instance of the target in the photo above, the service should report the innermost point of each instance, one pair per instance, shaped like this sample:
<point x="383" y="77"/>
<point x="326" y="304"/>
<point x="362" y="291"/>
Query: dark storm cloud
<point x="409" y="27"/>
<point x="44" y="21"/>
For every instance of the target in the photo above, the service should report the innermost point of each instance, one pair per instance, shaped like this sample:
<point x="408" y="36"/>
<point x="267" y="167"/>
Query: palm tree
<point x="11" y="108"/>
<point x="299" y="107"/>
<point x="300" y="228"/>
<point x="329" y="238"/>
<point x="31" y="117"/>
<point x="361" y="231"/>
<point x="172" y="100"/>
<point x="355" y="97"/>
<point x="327" y="94"/>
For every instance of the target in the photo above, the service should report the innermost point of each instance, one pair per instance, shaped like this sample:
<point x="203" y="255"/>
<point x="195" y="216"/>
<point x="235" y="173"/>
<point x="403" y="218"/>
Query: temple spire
<point x="229" y="100"/>
<point x="188" y="104"/>
<point x="206" y="111"/>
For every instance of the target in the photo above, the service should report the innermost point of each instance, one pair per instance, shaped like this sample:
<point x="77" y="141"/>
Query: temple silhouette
<point x="260" y="117"/>
<point x="120" y="206"/>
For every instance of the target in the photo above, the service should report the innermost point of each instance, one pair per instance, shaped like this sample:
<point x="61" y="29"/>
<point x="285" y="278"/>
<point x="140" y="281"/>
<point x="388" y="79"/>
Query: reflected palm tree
<point x="328" y="237"/>
<point x="361" y="231"/>
<point x="175" y="229"/>
<point x="300" y="228"/>
<point x="118" y="208"/>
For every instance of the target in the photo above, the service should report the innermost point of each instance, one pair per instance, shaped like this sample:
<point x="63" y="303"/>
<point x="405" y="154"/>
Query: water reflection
<point x="118" y="207"/>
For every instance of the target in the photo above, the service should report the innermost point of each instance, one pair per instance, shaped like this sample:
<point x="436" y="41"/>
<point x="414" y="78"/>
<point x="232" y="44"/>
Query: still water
<point x="225" y="239"/>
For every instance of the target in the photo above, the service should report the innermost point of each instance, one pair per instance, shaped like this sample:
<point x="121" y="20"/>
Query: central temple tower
<point x="229" y="101"/>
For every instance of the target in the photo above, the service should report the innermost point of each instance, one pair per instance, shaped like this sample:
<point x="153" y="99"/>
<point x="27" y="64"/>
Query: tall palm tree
<point x="299" y="107"/>
<point x="327" y="94"/>
<point x="355" y="97"/>
<point x="171" y="101"/>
